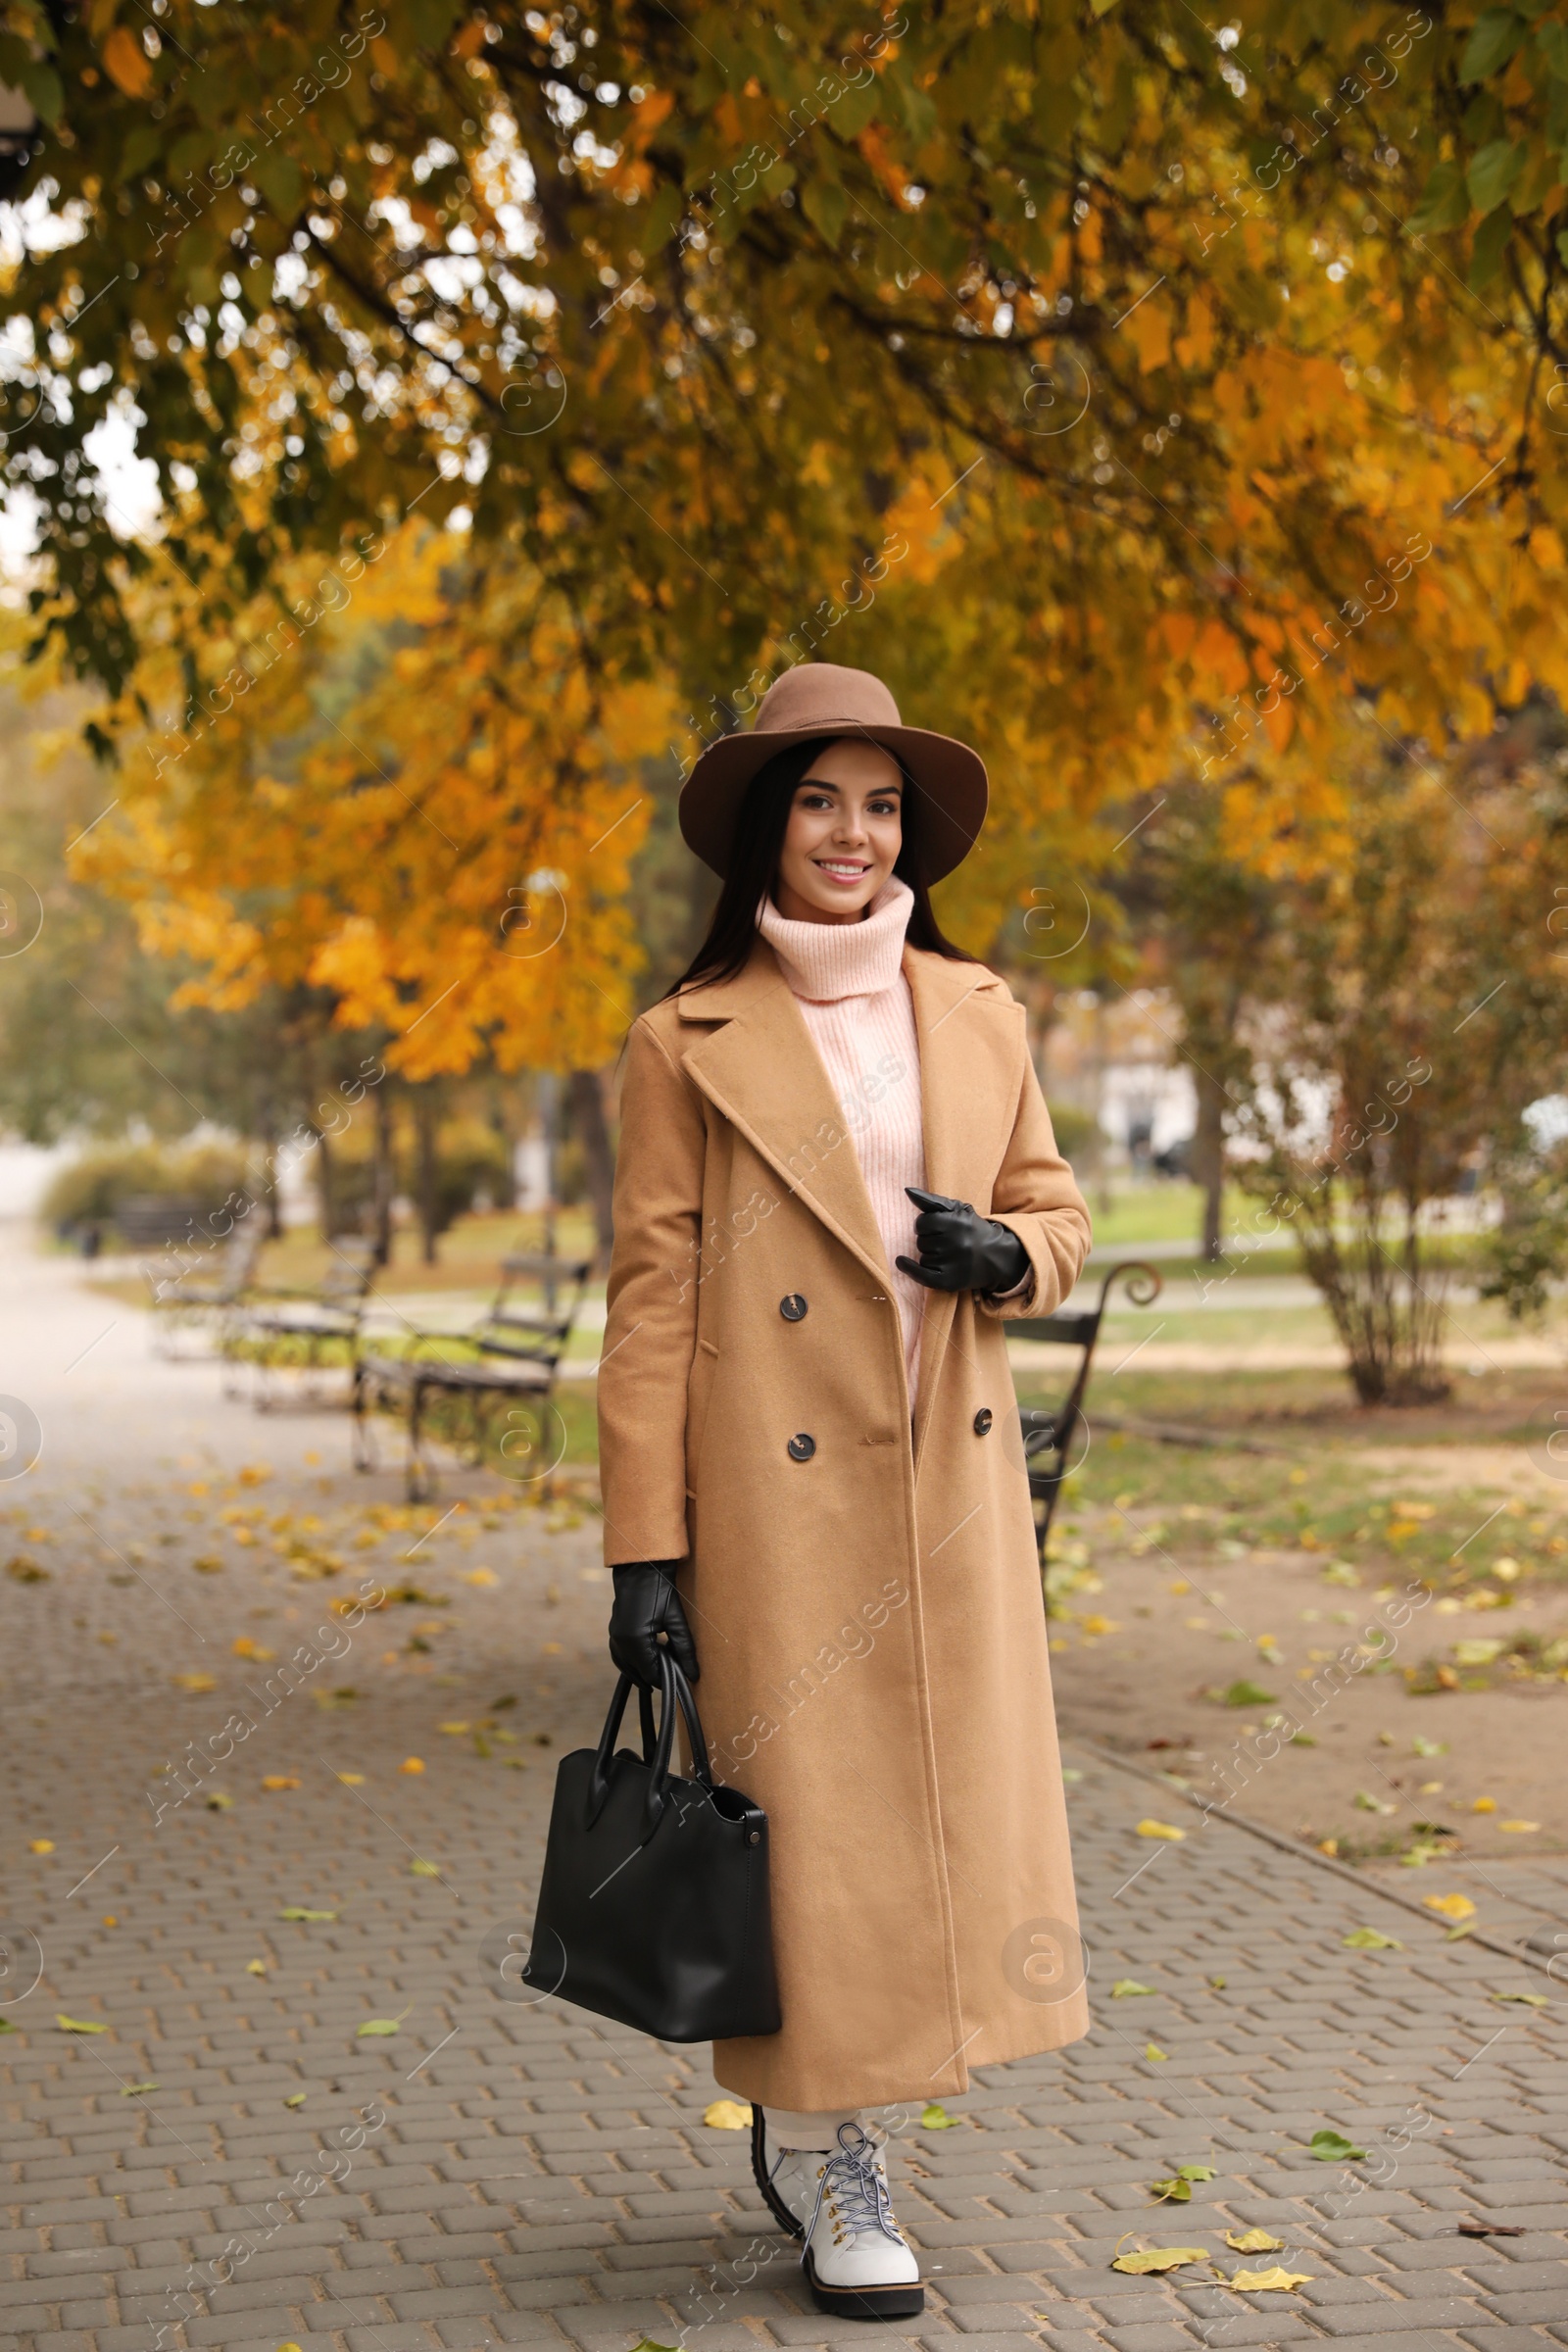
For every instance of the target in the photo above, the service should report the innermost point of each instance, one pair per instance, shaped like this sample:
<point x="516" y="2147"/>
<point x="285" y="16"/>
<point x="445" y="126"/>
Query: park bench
<point x="1049" y="1434"/>
<point x="143" y="1219"/>
<point x="302" y="1330"/>
<point x="504" y="1365"/>
<point x="205" y="1294"/>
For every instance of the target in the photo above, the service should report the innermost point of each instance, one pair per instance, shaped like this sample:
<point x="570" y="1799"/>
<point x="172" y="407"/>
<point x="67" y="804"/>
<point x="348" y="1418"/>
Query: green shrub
<point x="471" y="1158"/>
<point x="89" y="1188"/>
<point x="1076" y="1132"/>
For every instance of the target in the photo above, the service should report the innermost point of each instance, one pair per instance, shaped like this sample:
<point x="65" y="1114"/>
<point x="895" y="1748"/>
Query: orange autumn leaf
<point x="127" y="62"/>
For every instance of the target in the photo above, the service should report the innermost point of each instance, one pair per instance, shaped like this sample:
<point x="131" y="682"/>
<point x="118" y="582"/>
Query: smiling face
<point x="845" y="831"/>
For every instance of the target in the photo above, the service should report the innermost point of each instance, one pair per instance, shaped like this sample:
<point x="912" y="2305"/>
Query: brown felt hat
<point x="821" y="698"/>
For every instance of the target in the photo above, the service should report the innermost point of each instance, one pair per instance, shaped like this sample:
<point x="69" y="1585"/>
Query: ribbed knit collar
<point x="825" y="961"/>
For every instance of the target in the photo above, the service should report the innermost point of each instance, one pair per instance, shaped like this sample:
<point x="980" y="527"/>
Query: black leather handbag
<point x="654" y="1904"/>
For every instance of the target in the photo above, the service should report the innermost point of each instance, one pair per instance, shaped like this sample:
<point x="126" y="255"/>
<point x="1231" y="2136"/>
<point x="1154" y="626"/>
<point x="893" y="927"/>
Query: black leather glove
<point x="961" y="1250"/>
<point x="647" y="1617"/>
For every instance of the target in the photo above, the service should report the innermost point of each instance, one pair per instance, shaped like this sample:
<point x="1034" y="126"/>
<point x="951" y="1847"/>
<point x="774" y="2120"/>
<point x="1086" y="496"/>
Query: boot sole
<point x="863" y="2302"/>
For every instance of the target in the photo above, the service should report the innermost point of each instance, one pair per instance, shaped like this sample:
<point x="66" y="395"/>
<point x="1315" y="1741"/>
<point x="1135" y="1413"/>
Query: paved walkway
<point x="496" y="2172"/>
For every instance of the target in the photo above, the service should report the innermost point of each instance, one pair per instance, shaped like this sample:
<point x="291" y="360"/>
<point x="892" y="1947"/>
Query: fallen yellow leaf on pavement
<point x="412" y="1764"/>
<point x="41" y="1845"/>
<point x="1158" y="2257"/>
<point x="1452" y="1906"/>
<point x="727" y="2115"/>
<point x="1267" y="2282"/>
<point x="279" y="1780"/>
<point x="1252" y="2241"/>
<point x="1159" y="1829"/>
<point x="195" y="1682"/>
<point x="77" y="2025"/>
<point x="1523" y="1827"/>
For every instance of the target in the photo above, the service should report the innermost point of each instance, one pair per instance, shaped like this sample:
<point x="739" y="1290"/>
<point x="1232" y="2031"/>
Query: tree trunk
<point x="593" y="1133"/>
<point x="505" y="1135"/>
<point x="323" y="1186"/>
<point x="1103" y="1197"/>
<point x="1208" y="1156"/>
<point x="271" y="1195"/>
<point x="425" y="1126"/>
<point x="386" y="1179"/>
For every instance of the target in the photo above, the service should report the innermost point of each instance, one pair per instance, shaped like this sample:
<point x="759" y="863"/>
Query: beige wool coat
<point x="864" y="1599"/>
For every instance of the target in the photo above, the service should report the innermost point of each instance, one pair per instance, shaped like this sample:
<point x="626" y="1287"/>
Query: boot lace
<point x="856" y="2184"/>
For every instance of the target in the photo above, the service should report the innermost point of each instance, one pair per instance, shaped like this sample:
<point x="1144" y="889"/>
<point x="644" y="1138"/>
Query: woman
<point x="835" y="1179"/>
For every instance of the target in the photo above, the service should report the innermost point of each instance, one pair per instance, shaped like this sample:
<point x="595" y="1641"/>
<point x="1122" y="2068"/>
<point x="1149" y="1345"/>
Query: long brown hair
<point x="760" y="830"/>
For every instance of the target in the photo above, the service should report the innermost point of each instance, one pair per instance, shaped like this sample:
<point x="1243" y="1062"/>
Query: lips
<point x="837" y="872"/>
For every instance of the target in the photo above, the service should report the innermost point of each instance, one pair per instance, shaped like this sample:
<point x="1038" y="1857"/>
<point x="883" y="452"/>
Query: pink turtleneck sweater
<point x="847" y="979"/>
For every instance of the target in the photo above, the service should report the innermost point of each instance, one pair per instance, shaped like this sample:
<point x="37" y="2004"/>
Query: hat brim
<point x="949" y="779"/>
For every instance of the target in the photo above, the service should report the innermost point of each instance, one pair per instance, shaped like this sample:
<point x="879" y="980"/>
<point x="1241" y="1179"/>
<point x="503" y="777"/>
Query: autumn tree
<point x="423" y="813"/>
<point x="1208" y="915"/>
<point x="1404" y="1008"/>
<point x="1214" y="373"/>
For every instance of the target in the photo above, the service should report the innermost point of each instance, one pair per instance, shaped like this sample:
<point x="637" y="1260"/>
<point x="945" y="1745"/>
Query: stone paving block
<point x="1397" y="2319"/>
<point x="387" y="2339"/>
<point x="1382" y="2343"/>
<point x="590" y="2318"/>
<point x="991" y="2319"/>
<point x="977" y="2288"/>
<point x="1003" y="2342"/>
<point x="446" y="2302"/>
<point x="1247" y="2327"/>
<point x="1488" y="2338"/>
<point x="1546" y="2307"/>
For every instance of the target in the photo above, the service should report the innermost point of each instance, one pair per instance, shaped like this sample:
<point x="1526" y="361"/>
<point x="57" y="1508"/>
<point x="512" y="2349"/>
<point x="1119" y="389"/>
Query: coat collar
<point x="753" y="1055"/>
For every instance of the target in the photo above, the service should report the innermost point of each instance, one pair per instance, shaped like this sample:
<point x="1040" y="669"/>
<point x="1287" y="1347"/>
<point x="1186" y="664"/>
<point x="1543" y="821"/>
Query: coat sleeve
<point x="1035" y="1198"/>
<point x="650" y="1307"/>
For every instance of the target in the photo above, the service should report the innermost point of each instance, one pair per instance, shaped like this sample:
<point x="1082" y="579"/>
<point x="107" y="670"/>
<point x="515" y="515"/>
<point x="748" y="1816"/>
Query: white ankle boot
<point x="855" y="2260"/>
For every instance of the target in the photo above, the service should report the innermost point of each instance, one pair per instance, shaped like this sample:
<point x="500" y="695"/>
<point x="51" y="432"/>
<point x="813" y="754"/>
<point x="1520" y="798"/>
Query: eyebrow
<point x="826" y="784"/>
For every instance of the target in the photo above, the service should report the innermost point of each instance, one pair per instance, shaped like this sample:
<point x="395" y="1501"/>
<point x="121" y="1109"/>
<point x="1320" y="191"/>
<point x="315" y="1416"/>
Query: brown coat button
<point x="793" y="1309"/>
<point x="802" y="1447"/>
<point x="982" y="1420"/>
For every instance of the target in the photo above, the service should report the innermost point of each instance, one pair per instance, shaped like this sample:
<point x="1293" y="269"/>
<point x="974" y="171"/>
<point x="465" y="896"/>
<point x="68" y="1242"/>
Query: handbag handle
<point x="674" y="1691"/>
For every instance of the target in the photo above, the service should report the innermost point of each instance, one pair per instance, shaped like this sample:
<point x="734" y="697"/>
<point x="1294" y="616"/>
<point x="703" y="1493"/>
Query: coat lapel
<point x="761" y="1070"/>
<point x="754" y="1058"/>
